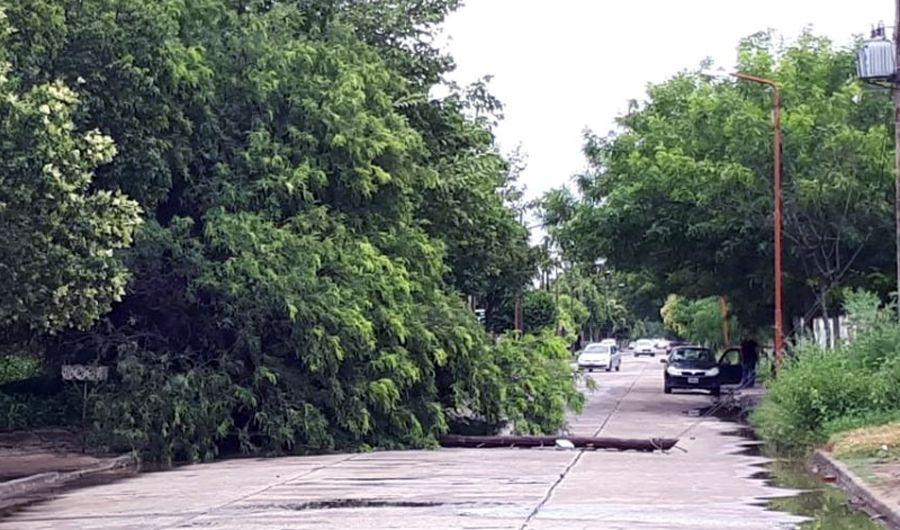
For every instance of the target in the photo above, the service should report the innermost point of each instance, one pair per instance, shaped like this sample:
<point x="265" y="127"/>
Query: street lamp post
<point x="776" y="118"/>
<point x="776" y="114"/>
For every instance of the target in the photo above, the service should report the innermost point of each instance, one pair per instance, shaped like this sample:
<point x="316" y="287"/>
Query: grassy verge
<point x="880" y="442"/>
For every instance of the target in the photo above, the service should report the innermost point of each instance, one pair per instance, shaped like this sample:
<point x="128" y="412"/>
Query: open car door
<point x="730" y="370"/>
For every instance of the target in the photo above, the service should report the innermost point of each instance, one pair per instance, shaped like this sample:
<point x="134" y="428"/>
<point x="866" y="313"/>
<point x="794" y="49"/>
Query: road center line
<point x="577" y="457"/>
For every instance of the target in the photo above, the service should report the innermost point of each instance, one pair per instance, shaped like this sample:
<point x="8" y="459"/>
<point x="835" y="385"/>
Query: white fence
<point x="827" y="333"/>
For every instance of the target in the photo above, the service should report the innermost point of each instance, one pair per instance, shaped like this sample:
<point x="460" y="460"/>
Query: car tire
<point x="652" y="355"/>
<point x="667" y="389"/>
<point x="715" y="392"/>
<point x="618" y="366"/>
<point x="608" y="368"/>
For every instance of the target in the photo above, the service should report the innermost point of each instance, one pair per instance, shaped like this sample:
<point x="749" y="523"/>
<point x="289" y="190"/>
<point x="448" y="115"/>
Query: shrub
<point x="820" y="392"/>
<point x="25" y="411"/>
<point x="17" y="367"/>
<point x="539" y="312"/>
<point x="162" y="412"/>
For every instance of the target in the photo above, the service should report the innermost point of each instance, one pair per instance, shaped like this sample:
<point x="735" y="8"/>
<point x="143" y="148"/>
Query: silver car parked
<point x="596" y="355"/>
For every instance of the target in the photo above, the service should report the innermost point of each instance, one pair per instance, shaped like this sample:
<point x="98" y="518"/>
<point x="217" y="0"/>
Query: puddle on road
<point x="827" y="506"/>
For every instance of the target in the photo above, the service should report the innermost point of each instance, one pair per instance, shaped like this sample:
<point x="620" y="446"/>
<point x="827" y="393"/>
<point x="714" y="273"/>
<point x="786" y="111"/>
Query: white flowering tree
<point x="57" y="236"/>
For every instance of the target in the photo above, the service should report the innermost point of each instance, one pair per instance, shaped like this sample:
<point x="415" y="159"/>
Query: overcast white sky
<point x="560" y="66"/>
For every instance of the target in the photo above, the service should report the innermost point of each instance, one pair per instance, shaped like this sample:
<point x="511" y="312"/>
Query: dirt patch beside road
<point x="36" y="464"/>
<point x="26" y="453"/>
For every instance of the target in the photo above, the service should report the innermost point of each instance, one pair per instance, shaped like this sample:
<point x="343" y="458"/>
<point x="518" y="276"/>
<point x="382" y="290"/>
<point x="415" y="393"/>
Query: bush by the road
<point x="537" y="386"/>
<point x="820" y="392"/>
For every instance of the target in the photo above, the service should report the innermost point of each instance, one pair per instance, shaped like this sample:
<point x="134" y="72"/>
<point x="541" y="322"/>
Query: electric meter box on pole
<point x="877" y="59"/>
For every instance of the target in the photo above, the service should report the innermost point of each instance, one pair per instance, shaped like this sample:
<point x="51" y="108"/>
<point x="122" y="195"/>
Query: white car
<point x="608" y="342"/>
<point x="645" y="347"/>
<point x="662" y="346"/>
<point x="596" y="355"/>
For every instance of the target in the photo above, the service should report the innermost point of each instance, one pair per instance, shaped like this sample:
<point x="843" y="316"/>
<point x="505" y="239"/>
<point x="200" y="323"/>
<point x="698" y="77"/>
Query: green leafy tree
<point x="682" y="192"/>
<point x="314" y="220"/>
<point x="573" y="315"/>
<point x="539" y="313"/>
<point x="699" y="321"/>
<point x="471" y="207"/>
<point x="58" y="237"/>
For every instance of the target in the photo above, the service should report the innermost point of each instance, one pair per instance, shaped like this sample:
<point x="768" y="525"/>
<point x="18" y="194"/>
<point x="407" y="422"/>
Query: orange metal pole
<point x="779" y="323"/>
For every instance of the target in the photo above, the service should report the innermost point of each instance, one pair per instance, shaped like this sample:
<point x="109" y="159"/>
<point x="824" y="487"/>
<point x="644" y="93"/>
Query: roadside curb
<point x="856" y="488"/>
<point x="16" y="491"/>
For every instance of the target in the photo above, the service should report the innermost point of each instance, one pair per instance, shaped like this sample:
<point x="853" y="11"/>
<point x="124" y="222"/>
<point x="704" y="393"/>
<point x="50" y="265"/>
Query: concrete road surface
<point x="707" y="484"/>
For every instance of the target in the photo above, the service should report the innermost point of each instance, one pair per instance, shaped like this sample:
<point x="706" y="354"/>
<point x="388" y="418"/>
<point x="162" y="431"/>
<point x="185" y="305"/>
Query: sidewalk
<point x="873" y="484"/>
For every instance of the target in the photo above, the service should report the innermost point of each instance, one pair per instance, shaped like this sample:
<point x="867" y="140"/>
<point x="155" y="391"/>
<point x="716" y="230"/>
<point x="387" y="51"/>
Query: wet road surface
<point x="706" y="483"/>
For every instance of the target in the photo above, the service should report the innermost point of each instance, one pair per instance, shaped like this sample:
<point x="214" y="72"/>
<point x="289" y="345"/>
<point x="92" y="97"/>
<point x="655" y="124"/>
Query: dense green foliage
<point x="57" y="236"/>
<point x="313" y="222"/>
<point x="573" y="316"/>
<point x="539" y="313"/>
<point x="822" y="391"/>
<point x="17" y="367"/>
<point x="536" y="365"/>
<point x="617" y="303"/>
<point x="24" y="411"/>
<point x="682" y="192"/>
<point x="698" y="321"/>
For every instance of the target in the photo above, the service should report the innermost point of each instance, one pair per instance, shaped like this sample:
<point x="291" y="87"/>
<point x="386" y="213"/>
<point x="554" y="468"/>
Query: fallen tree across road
<point x="586" y="442"/>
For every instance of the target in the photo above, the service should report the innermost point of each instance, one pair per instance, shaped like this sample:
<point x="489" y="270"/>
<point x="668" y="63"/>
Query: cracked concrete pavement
<point x="708" y="482"/>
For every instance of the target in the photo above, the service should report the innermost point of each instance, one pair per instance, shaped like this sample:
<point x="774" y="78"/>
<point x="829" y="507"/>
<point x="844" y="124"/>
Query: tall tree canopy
<point x="314" y="219"/>
<point x="683" y="191"/>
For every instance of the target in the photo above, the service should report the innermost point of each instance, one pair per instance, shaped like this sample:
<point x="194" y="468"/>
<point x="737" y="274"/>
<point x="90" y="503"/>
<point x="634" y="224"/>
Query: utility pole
<point x="878" y="62"/>
<point x="895" y="89"/>
<point x="776" y="118"/>
<point x="779" y="316"/>
<point x="778" y="339"/>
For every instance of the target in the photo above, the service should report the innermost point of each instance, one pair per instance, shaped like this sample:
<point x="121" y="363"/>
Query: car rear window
<point x="597" y="348"/>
